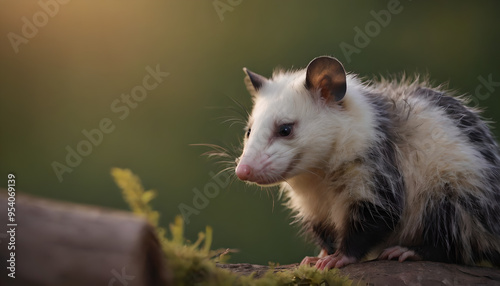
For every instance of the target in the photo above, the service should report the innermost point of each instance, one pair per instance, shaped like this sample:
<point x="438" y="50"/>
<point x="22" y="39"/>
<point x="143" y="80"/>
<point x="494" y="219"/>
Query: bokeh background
<point x="64" y="78"/>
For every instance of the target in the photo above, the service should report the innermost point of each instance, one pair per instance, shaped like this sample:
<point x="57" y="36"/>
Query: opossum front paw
<point x="336" y="260"/>
<point x="308" y="260"/>
<point x="399" y="252"/>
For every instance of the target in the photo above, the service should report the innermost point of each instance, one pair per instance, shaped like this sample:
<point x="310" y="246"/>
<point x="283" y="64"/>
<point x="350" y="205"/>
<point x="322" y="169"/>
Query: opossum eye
<point x="248" y="132"/>
<point x="285" y="130"/>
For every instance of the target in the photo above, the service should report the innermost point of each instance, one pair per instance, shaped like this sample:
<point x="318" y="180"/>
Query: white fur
<point x="326" y="138"/>
<point x="432" y="152"/>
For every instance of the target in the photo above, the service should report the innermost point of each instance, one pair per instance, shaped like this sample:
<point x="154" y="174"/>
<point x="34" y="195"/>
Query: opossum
<point x="393" y="167"/>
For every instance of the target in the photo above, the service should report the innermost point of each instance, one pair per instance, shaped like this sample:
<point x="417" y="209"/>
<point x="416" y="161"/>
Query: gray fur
<point x="391" y="163"/>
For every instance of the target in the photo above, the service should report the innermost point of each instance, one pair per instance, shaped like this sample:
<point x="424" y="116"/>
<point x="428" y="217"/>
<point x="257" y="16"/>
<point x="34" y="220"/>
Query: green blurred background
<point x="63" y="80"/>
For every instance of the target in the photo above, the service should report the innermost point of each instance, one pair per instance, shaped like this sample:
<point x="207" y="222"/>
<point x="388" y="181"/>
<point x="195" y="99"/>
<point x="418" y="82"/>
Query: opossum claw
<point x="336" y="260"/>
<point x="313" y="259"/>
<point x="399" y="252"/>
<point x="308" y="260"/>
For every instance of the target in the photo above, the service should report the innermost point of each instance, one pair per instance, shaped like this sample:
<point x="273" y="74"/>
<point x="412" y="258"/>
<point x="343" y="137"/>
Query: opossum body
<point x="395" y="165"/>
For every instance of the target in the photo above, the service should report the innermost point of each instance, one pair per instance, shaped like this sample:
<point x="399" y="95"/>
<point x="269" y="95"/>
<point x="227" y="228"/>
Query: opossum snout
<point x="244" y="172"/>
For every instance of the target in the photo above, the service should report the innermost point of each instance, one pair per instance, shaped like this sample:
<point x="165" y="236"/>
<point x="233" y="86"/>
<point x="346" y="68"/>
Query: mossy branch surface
<point x="195" y="263"/>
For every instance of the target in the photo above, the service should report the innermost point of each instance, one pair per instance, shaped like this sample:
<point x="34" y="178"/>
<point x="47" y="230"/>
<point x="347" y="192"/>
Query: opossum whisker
<point x="371" y="162"/>
<point x="241" y="107"/>
<point x="233" y="121"/>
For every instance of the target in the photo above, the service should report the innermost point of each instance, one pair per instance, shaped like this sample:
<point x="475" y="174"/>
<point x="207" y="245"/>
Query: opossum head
<point x="292" y="127"/>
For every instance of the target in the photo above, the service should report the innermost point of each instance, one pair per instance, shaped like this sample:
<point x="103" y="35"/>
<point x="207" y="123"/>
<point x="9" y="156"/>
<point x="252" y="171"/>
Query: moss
<point x="195" y="263"/>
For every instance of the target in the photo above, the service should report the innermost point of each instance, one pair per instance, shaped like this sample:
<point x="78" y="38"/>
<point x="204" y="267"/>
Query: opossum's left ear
<point x="253" y="81"/>
<point x="327" y="75"/>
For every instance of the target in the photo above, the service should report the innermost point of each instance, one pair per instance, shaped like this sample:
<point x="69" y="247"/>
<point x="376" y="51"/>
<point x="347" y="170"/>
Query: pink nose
<point x="243" y="172"/>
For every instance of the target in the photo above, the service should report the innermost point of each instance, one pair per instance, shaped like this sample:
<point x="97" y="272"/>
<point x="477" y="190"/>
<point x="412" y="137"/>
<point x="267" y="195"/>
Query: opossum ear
<point x="327" y="75"/>
<point x="253" y="81"/>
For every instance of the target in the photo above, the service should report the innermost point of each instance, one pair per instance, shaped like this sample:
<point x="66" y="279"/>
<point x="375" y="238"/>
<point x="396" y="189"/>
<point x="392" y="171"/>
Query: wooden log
<point x="59" y="243"/>
<point x="394" y="273"/>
